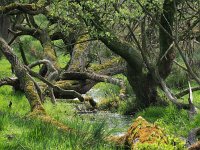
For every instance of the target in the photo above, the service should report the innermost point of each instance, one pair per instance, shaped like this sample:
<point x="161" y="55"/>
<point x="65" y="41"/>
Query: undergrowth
<point x="19" y="132"/>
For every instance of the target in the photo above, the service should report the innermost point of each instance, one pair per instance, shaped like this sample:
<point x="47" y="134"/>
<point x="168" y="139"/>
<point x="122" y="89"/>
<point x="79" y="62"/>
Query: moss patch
<point x="143" y="134"/>
<point x="142" y="131"/>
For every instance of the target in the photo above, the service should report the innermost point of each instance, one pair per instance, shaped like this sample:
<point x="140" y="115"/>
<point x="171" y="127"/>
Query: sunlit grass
<point x="5" y="69"/>
<point x="175" y="121"/>
<point x="19" y="132"/>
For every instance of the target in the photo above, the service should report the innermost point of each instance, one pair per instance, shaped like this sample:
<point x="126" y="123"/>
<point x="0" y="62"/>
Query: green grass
<point x="18" y="132"/>
<point x="35" y="135"/>
<point x="5" y="69"/>
<point x="174" y="121"/>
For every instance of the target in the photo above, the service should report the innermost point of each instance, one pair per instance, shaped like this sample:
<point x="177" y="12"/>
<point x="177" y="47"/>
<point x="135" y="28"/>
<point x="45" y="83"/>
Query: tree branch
<point x="9" y="81"/>
<point x="32" y="9"/>
<point x="186" y="91"/>
<point x="56" y="88"/>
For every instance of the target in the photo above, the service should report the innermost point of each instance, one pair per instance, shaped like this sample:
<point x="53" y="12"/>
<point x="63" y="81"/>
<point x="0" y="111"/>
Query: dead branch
<point x="51" y="75"/>
<point x="193" y="109"/>
<point x="169" y="94"/>
<point x="181" y="66"/>
<point x="56" y="88"/>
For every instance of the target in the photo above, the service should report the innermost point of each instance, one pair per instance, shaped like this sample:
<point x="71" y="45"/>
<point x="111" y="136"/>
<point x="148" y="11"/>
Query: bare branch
<point x="193" y="109"/>
<point x="169" y="94"/>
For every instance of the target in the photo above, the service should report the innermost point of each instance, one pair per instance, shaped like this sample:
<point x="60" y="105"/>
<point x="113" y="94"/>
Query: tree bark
<point x="4" y="25"/>
<point x="167" y="52"/>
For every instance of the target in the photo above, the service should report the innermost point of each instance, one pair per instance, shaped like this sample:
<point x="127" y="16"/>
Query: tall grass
<point x="18" y="132"/>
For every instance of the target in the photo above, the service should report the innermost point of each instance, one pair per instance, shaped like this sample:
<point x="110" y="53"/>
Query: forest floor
<point x="18" y="132"/>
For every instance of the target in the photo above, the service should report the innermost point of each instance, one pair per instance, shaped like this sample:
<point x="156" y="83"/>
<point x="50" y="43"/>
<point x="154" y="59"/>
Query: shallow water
<point x="118" y="124"/>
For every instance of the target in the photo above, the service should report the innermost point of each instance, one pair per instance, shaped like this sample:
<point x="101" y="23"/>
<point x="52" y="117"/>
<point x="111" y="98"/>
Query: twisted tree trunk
<point x="26" y="81"/>
<point x="28" y="85"/>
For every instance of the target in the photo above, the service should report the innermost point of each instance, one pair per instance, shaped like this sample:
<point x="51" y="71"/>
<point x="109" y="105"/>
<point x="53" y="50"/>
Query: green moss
<point x="111" y="62"/>
<point x="32" y="96"/>
<point x="109" y="104"/>
<point x="79" y="52"/>
<point x="67" y="84"/>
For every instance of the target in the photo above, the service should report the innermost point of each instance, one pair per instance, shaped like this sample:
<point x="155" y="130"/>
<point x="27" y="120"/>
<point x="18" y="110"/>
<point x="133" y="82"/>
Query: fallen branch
<point x="51" y="75"/>
<point x="95" y="77"/>
<point x="193" y="109"/>
<point x="169" y="94"/>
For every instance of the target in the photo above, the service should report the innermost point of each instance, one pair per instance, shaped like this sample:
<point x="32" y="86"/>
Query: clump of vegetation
<point x="143" y="135"/>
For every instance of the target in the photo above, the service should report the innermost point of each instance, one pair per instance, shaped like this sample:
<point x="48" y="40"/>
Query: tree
<point x="84" y="21"/>
<point x="144" y="37"/>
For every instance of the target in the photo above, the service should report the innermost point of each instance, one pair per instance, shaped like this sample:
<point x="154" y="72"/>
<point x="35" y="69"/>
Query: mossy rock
<point x="142" y="135"/>
<point x="142" y="131"/>
<point x="109" y="104"/>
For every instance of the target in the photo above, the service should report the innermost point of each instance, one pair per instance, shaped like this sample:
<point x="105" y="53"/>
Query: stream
<point x="116" y="122"/>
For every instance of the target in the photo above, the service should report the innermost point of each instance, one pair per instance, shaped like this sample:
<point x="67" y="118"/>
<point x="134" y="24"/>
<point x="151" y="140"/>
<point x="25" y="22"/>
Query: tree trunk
<point x="143" y="84"/>
<point x="167" y="52"/>
<point x="144" y="87"/>
<point x="28" y="85"/>
<point x="26" y="81"/>
<point x="4" y="25"/>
